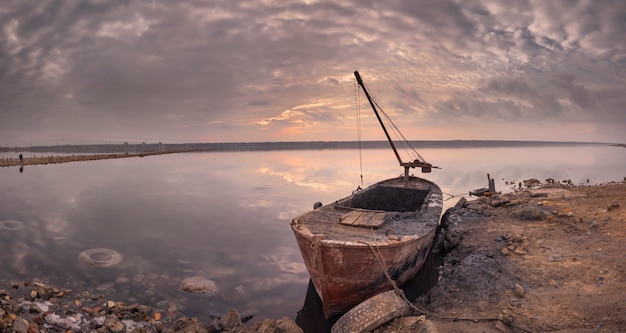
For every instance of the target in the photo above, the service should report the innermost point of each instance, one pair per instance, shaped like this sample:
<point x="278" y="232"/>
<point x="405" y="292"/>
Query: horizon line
<point x="300" y="142"/>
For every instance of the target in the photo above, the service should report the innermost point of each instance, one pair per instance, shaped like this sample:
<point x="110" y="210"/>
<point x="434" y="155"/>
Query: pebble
<point x="519" y="291"/>
<point x="94" y="313"/>
<point x="500" y="326"/>
<point x="231" y="320"/>
<point x="199" y="285"/>
<point x="122" y="280"/>
<point x="114" y="325"/>
<point x="515" y="302"/>
<point x="20" y="326"/>
<point x="105" y="286"/>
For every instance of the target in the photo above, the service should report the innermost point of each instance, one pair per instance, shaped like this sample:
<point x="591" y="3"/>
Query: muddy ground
<point x="551" y="259"/>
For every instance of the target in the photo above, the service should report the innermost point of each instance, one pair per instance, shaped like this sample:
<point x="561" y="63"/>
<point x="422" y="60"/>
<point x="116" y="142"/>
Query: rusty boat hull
<point x="354" y="246"/>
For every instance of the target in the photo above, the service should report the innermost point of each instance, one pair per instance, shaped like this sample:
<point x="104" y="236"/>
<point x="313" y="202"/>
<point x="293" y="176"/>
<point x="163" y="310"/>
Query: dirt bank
<point x="543" y="260"/>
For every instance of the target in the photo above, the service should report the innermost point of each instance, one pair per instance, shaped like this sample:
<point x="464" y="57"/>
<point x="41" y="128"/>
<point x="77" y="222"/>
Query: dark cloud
<point x="88" y="71"/>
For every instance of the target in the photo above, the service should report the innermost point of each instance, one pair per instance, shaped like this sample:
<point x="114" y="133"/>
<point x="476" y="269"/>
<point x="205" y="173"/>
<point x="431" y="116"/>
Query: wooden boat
<point x="358" y="246"/>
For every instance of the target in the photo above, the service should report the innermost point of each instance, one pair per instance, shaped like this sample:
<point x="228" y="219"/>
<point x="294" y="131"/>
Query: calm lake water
<point x="225" y="216"/>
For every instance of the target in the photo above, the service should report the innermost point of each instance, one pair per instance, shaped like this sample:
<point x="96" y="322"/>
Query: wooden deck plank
<point x="363" y="218"/>
<point x="377" y="220"/>
<point x="351" y="218"/>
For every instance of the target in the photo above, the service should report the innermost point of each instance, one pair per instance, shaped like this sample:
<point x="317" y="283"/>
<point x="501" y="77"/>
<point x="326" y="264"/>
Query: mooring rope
<point x="379" y="257"/>
<point x="400" y="293"/>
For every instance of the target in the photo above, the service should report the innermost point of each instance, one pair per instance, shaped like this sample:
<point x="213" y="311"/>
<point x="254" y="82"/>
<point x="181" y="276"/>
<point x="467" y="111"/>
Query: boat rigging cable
<point x="418" y="160"/>
<point x="358" y="128"/>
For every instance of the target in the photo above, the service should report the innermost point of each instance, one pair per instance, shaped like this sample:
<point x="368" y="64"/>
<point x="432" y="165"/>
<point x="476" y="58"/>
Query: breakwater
<point x="35" y="160"/>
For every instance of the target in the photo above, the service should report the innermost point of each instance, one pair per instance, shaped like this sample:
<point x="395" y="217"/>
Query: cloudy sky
<point x="221" y="71"/>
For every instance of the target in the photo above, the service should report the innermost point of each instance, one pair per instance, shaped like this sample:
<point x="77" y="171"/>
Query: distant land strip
<point x="268" y="146"/>
<point x="108" y="151"/>
<point x="16" y="161"/>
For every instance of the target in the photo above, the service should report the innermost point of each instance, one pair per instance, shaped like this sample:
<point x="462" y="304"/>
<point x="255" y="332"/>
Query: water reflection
<point x="223" y="216"/>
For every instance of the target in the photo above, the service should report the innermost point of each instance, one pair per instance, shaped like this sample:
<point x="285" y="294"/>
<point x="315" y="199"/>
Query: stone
<point x="33" y="328"/>
<point x="499" y="202"/>
<point x="612" y="207"/>
<point x="247" y="315"/>
<point x="44" y="291"/>
<point x="214" y="326"/>
<point x="114" y="325"/>
<point x="122" y="280"/>
<point x="461" y="203"/>
<point x="186" y="325"/>
<point x="199" y="285"/>
<point x="519" y="291"/>
<point x="515" y="302"/>
<point x="231" y="320"/>
<point x="139" y="330"/>
<point x="20" y="326"/>
<point x="451" y="240"/>
<point x="34" y="308"/>
<point x="284" y="325"/>
<point x="105" y="286"/>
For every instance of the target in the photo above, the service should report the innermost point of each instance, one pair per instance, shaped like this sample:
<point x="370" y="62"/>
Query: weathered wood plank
<point x="363" y="218"/>
<point x="351" y="218"/>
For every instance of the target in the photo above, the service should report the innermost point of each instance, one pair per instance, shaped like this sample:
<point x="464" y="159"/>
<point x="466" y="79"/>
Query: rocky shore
<point x="31" y="307"/>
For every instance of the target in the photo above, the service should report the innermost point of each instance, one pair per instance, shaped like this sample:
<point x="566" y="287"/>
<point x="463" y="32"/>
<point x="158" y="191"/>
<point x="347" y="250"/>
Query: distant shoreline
<point x="109" y="151"/>
<point x="127" y="148"/>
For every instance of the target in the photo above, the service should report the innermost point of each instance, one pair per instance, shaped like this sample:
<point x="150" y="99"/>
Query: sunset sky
<point x="80" y="72"/>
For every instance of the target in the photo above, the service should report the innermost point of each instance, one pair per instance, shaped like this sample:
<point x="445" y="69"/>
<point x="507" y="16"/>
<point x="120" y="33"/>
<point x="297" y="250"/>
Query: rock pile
<point x="32" y="307"/>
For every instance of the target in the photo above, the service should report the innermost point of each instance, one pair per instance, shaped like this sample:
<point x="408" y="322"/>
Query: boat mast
<point x="369" y="98"/>
<point x="426" y="167"/>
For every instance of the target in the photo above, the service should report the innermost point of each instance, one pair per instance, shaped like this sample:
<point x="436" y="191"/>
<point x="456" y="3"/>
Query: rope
<point x="381" y="262"/>
<point x="358" y="126"/>
<point x="400" y="138"/>
<point x="400" y="293"/>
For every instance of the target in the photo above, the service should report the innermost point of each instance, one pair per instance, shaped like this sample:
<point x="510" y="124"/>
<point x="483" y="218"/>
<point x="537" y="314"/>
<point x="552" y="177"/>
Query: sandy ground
<point x="543" y="260"/>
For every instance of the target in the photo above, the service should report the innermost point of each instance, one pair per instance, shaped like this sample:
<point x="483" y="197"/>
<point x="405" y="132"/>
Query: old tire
<point x="100" y="257"/>
<point x="372" y="313"/>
